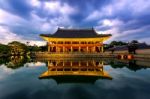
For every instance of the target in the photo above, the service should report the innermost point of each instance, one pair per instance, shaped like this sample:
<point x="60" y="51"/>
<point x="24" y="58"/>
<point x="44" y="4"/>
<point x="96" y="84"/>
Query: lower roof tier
<point x="96" y="39"/>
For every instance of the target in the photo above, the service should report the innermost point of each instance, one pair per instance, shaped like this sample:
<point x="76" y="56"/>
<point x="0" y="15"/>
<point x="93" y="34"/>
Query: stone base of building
<point x="69" y="55"/>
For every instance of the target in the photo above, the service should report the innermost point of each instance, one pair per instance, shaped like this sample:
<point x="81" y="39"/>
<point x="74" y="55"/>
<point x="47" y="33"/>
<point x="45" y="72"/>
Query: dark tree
<point x="4" y="49"/>
<point x="132" y="46"/>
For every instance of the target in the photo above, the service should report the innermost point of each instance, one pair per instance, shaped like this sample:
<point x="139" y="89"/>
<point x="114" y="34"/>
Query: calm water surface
<point x="23" y="78"/>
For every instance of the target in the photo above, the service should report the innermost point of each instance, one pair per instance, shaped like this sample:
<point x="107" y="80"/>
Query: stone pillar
<point x="99" y="48"/>
<point x="102" y="63"/>
<point x="79" y="63"/>
<point x="87" y="49"/>
<point x="102" y="69"/>
<point x="79" y="49"/>
<point x="56" y="63"/>
<point x="94" y="49"/>
<point x="63" y="63"/>
<point x="102" y="49"/>
<point x="71" y="63"/>
<point x="71" y="49"/>
<point x="51" y="48"/>
<point x="87" y="63"/>
<point x="48" y="48"/>
<point x="63" y="49"/>
<point x="56" y="49"/>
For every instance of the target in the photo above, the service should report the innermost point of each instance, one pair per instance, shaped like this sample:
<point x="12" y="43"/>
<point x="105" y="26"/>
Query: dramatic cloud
<point x="24" y="20"/>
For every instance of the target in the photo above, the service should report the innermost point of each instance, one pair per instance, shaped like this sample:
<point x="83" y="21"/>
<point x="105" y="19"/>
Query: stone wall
<point x="143" y="51"/>
<point x="117" y="52"/>
<point x="138" y="51"/>
<point x="59" y="55"/>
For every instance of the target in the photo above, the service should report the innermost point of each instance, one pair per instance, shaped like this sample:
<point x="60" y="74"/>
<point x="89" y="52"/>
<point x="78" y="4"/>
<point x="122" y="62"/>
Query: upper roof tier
<point x="75" y="33"/>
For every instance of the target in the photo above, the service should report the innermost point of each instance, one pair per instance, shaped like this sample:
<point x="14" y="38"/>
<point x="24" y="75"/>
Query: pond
<point x="76" y="78"/>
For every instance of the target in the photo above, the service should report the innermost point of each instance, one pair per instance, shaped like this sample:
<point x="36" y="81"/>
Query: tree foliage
<point x="115" y="43"/>
<point x="18" y="44"/>
<point x="4" y="49"/>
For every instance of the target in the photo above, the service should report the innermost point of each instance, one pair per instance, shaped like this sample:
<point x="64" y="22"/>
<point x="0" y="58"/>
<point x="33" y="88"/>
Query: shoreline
<point x="83" y="55"/>
<point x="90" y="55"/>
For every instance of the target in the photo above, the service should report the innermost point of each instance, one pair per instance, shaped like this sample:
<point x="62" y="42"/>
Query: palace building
<point x="75" y="40"/>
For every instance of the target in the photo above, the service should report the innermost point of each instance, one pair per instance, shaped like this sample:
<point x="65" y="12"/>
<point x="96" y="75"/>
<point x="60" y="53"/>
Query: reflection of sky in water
<point x="23" y="83"/>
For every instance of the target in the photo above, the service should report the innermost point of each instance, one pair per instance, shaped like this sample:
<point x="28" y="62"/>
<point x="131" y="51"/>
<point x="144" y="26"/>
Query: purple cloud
<point x="24" y="21"/>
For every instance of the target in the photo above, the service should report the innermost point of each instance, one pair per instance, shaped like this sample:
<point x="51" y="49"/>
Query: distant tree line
<point x="115" y="43"/>
<point x="132" y="46"/>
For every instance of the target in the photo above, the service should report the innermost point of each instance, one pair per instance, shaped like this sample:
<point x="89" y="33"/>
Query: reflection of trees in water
<point x="117" y="64"/>
<point x="4" y="60"/>
<point x="133" y="66"/>
<point x="16" y="62"/>
<point x="130" y="64"/>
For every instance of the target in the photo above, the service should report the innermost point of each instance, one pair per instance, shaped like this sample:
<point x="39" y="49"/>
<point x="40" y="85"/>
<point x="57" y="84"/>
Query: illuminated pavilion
<point x="75" y="40"/>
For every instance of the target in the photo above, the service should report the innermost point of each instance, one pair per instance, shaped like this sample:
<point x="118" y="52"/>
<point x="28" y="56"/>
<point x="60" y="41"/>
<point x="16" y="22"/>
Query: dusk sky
<point x="24" y="20"/>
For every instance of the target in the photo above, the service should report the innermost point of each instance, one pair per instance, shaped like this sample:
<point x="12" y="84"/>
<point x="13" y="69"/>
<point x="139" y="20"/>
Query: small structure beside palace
<point x="75" y="40"/>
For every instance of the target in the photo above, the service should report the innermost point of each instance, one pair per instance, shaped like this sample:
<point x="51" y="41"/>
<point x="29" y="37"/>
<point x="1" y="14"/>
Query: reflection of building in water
<point x="75" y="68"/>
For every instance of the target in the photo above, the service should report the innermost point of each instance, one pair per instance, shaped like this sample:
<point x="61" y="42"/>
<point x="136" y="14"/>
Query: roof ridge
<point x="77" y="33"/>
<point x="76" y="29"/>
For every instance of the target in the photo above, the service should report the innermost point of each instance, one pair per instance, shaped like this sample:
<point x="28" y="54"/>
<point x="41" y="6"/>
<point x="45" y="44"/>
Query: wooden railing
<point x="81" y="45"/>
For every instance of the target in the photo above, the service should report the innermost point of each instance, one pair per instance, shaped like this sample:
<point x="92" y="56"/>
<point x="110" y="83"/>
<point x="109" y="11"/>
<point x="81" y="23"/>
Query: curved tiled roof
<point x="75" y="33"/>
